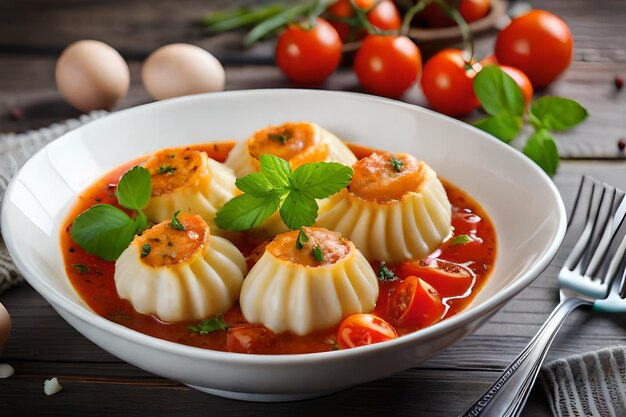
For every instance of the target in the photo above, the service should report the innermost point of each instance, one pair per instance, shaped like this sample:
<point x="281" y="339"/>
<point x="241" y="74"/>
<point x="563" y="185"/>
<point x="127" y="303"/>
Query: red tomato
<point x="308" y="56"/>
<point x="522" y="80"/>
<point x="470" y="10"/>
<point x="248" y="338"/>
<point x="387" y="65"/>
<point x="447" y="84"/>
<point x="537" y="43"/>
<point x="364" y="329"/>
<point x="448" y="278"/>
<point x="415" y="303"/>
<point x="385" y="16"/>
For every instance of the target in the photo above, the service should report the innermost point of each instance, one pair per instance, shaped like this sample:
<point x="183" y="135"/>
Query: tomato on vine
<point x="470" y="10"/>
<point x="308" y="55"/>
<point x="537" y="43"/>
<point x="383" y="15"/>
<point x="447" y="83"/>
<point x="387" y="65"/>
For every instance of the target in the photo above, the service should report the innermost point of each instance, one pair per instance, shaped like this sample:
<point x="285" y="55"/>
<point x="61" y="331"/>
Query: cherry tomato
<point x="387" y="65"/>
<point x="364" y="329"/>
<point x="537" y="43"/>
<point x="248" y="338"/>
<point x="522" y="80"/>
<point x="449" y="278"/>
<point x="308" y="56"/>
<point x="415" y="303"/>
<point x="384" y="16"/>
<point x="447" y="84"/>
<point x="470" y="10"/>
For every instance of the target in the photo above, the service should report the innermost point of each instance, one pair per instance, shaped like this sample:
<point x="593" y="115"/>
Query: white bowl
<point x="522" y="201"/>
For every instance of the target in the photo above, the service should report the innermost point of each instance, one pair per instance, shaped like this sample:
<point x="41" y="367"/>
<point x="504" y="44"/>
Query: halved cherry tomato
<point x="248" y="338"/>
<point x="447" y="84"/>
<point x="448" y="278"/>
<point x="308" y="55"/>
<point x="537" y="43"/>
<point x="387" y="65"/>
<point x="364" y="329"/>
<point x="415" y="303"/>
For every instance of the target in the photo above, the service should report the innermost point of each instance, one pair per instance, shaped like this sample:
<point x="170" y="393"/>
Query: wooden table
<point x="42" y="345"/>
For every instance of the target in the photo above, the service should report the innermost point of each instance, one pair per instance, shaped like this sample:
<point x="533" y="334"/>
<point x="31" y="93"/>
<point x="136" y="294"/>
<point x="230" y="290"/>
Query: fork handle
<point x="507" y="396"/>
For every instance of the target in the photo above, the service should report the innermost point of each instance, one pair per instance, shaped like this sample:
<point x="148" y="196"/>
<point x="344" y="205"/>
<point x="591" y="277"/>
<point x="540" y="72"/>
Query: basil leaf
<point x="461" y="240"/>
<point x="134" y="188"/>
<point x="542" y="149"/>
<point x="321" y="179"/>
<point x="141" y="222"/>
<point x="246" y="211"/>
<point x="276" y="170"/>
<point x="503" y="126"/>
<point x="104" y="231"/>
<point x="256" y="184"/>
<point x="557" y="113"/>
<point x="298" y="210"/>
<point x="498" y="92"/>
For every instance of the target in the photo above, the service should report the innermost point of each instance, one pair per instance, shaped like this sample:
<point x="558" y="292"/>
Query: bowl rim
<point x="84" y="314"/>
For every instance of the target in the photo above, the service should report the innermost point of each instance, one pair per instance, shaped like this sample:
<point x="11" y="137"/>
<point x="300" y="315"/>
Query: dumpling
<point x="308" y="287"/>
<point x="297" y="143"/>
<point x="188" y="180"/>
<point x="180" y="275"/>
<point x="394" y="209"/>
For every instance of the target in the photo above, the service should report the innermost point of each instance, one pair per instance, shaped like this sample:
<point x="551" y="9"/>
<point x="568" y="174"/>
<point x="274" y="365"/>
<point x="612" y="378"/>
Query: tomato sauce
<point x="457" y="270"/>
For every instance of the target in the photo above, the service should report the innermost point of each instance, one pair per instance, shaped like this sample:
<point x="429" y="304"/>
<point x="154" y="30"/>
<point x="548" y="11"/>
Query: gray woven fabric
<point x="15" y="150"/>
<point x="591" y="384"/>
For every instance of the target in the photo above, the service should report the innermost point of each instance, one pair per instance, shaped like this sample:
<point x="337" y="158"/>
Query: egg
<point x="91" y="75"/>
<point x="180" y="69"/>
<point x="5" y="326"/>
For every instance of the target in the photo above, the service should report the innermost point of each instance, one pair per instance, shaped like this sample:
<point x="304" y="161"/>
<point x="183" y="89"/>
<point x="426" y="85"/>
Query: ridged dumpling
<point x="296" y="143"/>
<point x="188" y="180"/>
<point x="179" y="272"/>
<point x="394" y="209"/>
<point x="303" y="286"/>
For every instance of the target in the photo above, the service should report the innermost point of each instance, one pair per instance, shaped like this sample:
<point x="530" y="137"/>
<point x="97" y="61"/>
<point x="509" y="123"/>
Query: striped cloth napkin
<point x="15" y="150"/>
<point x="592" y="384"/>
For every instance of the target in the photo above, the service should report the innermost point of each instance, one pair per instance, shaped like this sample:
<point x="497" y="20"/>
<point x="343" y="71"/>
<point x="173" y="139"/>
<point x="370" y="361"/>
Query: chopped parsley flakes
<point x="317" y="253"/>
<point x="81" y="268"/>
<point x="386" y="274"/>
<point x="175" y="223"/>
<point x="166" y="169"/>
<point x="145" y="250"/>
<point x="302" y="239"/>
<point x="209" y="325"/>
<point x="461" y="240"/>
<point x="397" y="164"/>
<point x="280" y="137"/>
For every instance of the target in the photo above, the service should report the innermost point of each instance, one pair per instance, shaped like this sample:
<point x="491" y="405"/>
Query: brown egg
<point x="91" y="75"/>
<point x="5" y="326"/>
<point x="180" y="69"/>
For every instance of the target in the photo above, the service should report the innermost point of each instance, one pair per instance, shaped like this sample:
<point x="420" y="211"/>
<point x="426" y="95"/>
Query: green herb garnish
<point x="104" y="230"/>
<point x="386" y="274"/>
<point x="276" y="187"/>
<point x="145" y="250"/>
<point x="333" y="344"/>
<point x="317" y="253"/>
<point x="81" y="268"/>
<point x="166" y="169"/>
<point x="461" y="240"/>
<point x="175" y="223"/>
<point x="397" y="164"/>
<point x="503" y="100"/>
<point x="280" y="137"/>
<point x="302" y="239"/>
<point x="210" y="325"/>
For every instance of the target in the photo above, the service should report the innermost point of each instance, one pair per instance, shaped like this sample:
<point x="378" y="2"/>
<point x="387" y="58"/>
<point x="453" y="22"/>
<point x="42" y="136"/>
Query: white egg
<point x="5" y="326"/>
<point x="181" y="69"/>
<point x="91" y="75"/>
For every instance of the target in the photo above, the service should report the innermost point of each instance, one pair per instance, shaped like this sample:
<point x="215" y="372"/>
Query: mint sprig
<point x="104" y="230"/>
<point x="277" y="187"/>
<point x="503" y="100"/>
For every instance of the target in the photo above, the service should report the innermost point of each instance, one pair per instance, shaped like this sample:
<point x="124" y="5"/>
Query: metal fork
<point x="595" y="241"/>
